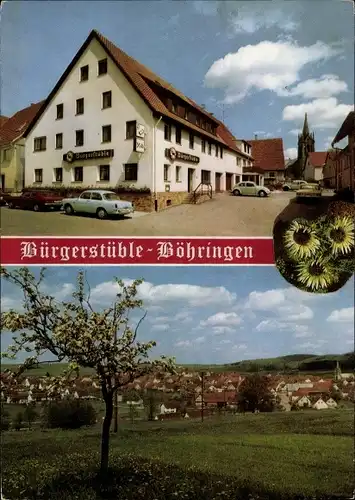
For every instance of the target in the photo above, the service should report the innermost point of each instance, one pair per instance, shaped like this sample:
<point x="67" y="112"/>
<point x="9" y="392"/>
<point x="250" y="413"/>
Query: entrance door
<point x="229" y="182"/>
<point x="2" y="182"/>
<point x="218" y="181"/>
<point x="190" y="179"/>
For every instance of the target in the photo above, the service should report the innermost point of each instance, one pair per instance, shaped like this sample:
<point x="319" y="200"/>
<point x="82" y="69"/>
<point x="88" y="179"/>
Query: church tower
<point x="337" y="372"/>
<point x="306" y="145"/>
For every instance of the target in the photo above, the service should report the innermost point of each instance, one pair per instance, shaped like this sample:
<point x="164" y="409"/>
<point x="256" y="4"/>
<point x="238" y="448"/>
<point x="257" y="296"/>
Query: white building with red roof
<point x="314" y="166"/>
<point x="111" y="122"/>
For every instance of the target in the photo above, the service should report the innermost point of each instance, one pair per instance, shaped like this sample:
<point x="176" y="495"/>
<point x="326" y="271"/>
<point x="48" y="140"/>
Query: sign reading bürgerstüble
<point x="178" y="155"/>
<point x="70" y="156"/>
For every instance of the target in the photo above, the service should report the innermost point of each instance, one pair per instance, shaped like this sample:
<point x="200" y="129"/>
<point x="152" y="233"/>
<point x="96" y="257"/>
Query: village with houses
<point x="189" y="393"/>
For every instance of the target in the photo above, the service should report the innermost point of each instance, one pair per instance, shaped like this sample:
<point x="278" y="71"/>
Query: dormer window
<point x="84" y="73"/>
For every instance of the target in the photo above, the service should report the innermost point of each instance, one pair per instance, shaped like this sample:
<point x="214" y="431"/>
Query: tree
<point x="151" y="400"/>
<point x="30" y="414"/>
<point x="74" y="332"/>
<point x="254" y="394"/>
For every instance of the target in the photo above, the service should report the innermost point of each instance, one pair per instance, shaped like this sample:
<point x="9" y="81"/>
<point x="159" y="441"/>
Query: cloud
<point x="265" y="66"/>
<point x="290" y="153"/>
<point x="341" y="315"/>
<point x="154" y="294"/>
<point x="322" y="113"/>
<point x="275" y="325"/>
<point x="8" y="303"/>
<point x="222" y="319"/>
<point x="245" y="18"/>
<point x="317" y="88"/>
<point x="160" y="328"/>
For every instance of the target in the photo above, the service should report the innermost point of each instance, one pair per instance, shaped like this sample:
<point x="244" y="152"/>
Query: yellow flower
<point x="301" y="240"/>
<point x="316" y="275"/>
<point x="341" y="235"/>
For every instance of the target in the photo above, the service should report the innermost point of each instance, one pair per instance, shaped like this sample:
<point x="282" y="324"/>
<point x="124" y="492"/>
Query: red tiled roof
<point x="348" y="127"/>
<point x="143" y="80"/>
<point x="220" y="397"/>
<point x="268" y="154"/>
<point x="318" y="158"/>
<point x="16" y="125"/>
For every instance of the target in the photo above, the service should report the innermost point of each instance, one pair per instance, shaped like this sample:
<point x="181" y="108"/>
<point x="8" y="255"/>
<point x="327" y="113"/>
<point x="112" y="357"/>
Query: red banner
<point x="136" y="251"/>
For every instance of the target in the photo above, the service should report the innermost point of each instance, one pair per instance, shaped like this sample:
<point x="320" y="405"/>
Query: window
<point x="39" y="175"/>
<point x="209" y="148"/>
<point x="217" y="148"/>
<point x="106" y="133"/>
<point x="60" y="111"/>
<point x="131" y="129"/>
<point x="203" y="146"/>
<point x="78" y="174"/>
<point x="177" y="174"/>
<point x="58" y="141"/>
<point x="191" y="140"/>
<point x="102" y="67"/>
<point x="221" y="152"/>
<point x="167" y="132"/>
<point x="173" y="107"/>
<point x="96" y="196"/>
<point x="58" y="175"/>
<point x="80" y="106"/>
<point x="40" y="143"/>
<point x="272" y="175"/>
<point x="205" y="176"/>
<point x="6" y="154"/>
<point x="239" y="161"/>
<point x="104" y="172"/>
<point x="79" y="138"/>
<point x="106" y="99"/>
<point x="131" y="172"/>
<point x="178" y="135"/>
<point x="166" y="173"/>
<point x="84" y="73"/>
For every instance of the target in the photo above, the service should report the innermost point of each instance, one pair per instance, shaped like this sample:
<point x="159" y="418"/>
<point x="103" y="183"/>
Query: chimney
<point x="255" y="137"/>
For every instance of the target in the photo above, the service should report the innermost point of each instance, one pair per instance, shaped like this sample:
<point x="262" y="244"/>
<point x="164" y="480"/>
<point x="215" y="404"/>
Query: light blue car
<point x="99" y="202"/>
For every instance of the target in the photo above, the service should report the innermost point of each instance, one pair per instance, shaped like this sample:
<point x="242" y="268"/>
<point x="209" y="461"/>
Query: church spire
<point x="305" y="131"/>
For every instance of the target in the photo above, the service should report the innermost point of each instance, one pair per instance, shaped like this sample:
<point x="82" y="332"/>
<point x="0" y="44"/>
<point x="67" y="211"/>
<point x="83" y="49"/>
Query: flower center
<point x="316" y="270"/>
<point x="302" y="237"/>
<point x="337" y="235"/>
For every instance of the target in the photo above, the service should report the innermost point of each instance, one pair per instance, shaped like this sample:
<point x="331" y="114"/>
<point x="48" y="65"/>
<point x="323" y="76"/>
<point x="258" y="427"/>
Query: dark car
<point x="35" y="200"/>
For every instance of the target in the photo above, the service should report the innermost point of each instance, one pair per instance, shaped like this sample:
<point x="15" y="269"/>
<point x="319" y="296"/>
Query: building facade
<point x="343" y="160"/>
<point x="268" y="155"/>
<point x="12" y="148"/>
<point x="314" y="165"/>
<point x="112" y="123"/>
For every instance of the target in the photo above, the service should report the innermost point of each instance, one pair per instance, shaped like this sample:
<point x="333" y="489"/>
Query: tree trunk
<point x="115" y="413"/>
<point x="105" y="436"/>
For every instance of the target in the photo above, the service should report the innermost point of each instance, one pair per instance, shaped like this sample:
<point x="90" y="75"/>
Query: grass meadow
<point x="305" y="454"/>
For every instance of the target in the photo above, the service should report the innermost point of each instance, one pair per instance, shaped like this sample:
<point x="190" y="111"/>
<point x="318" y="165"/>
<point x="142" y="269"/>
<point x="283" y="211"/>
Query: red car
<point x="35" y="200"/>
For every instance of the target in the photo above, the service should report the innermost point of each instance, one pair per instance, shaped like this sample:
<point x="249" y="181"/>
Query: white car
<point x="97" y="202"/>
<point x="250" y="189"/>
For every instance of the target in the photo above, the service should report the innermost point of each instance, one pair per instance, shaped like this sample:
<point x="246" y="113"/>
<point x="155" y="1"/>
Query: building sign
<point x="70" y="156"/>
<point x="140" y="131"/>
<point x="139" y="145"/>
<point x="178" y="155"/>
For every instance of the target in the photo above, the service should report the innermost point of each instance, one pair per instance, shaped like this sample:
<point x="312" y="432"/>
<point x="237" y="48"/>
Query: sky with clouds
<point x="258" y="65"/>
<point x="216" y="315"/>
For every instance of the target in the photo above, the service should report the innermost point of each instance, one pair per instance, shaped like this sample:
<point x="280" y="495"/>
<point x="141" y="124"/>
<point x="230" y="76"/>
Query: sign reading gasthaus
<point x="87" y="155"/>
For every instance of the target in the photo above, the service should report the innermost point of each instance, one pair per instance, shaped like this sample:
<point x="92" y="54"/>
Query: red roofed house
<point x="111" y="122"/>
<point x="269" y="157"/>
<point x="345" y="158"/>
<point x="3" y="120"/>
<point x="313" y="170"/>
<point x="12" y="147"/>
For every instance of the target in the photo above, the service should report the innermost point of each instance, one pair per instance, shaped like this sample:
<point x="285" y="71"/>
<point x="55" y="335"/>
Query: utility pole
<point x="202" y="394"/>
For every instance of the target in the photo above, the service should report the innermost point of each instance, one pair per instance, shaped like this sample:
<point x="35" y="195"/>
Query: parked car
<point x="34" y="200"/>
<point x="294" y="185"/>
<point x="100" y="202"/>
<point x="250" y="189"/>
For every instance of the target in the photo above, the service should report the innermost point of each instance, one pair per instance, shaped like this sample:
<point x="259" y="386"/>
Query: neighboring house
<point x="12" y="148"/>
<point x="329" y="173"/>
<point x="304" y="402"/>
<point x="164" y="410"/>
<point x="268" y="156"/>
<point x="345" y="158"/>
<point x="3" y="120"/>
<point x="315" y="163"/>
<point x="331" y="403"/>
<point x="110" y="121"/>
<point x="218" y="399"/>
<point x="320" y="405"/>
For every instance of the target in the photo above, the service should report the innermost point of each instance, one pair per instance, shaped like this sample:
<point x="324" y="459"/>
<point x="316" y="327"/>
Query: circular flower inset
<point x="301" y="240"/>
<point x="317" y="275"/>
<point x="340" y="233"/>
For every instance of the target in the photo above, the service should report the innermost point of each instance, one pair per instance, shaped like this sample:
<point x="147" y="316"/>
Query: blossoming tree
<point x="73" y="332"/>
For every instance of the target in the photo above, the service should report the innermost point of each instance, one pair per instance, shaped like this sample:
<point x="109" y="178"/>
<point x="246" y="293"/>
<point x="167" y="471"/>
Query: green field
<point x="276" y="456"/>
